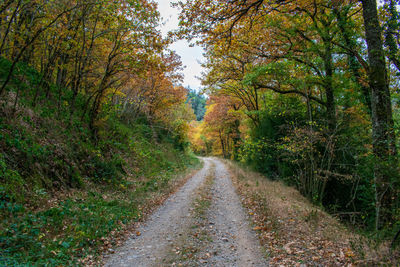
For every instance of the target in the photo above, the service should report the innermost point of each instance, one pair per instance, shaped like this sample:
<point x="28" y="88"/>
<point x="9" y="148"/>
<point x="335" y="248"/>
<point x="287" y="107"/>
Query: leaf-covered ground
<point x="297" y="233"/>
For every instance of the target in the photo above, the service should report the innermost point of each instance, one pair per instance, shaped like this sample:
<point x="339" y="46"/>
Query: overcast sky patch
<point x="190" y="55"/>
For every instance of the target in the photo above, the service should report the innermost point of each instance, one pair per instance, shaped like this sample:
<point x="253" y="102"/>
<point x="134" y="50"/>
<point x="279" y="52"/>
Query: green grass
<point x="34" y="231"/>
<point x="72" y="228"/>
<point x="60" y="234"/>
<point x="63" y="193"/>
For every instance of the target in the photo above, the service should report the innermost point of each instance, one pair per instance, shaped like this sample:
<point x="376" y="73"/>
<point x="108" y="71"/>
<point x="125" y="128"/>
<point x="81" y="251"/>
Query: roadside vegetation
<point x="93" y="127"/>
<point x="64" y="195"/>
<point x="293" y="231"/>
<point x="307" y="93"/>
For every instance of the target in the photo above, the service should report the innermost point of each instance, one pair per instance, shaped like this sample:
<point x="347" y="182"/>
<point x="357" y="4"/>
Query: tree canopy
<point x="198" y="103"/>
<point x="306" y="91"/>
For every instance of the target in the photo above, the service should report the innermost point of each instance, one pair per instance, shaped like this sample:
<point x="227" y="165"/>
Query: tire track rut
<point x="233" y="242"/>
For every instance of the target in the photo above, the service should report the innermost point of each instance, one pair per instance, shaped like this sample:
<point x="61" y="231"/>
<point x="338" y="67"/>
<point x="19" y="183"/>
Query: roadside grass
<point x="68" y="193"/>
<point x="76" y="228"/>
<point x="64" y="198"/>
<point x="296" y="232"/>
<point x="189" y="250"/>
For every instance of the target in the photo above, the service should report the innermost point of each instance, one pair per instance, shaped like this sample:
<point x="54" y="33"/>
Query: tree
<point x="312" y="51"/>
<point x="222" y="122"/>
<point x="198" y="103"/>
<point x="392" y="33"/>
<point x="382" y="121"/>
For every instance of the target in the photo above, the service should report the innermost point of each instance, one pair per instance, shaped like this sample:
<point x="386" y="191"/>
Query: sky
<point x="189" y="55"/>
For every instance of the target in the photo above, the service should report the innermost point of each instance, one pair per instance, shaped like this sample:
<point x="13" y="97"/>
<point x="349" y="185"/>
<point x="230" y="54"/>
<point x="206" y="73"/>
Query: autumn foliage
<point x="298" y="91"/>
<point x="90" y="55"/>
<point x="93" y="126"/>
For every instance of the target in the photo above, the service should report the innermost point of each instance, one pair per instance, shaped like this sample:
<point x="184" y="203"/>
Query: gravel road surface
<point x="232" y="242"/>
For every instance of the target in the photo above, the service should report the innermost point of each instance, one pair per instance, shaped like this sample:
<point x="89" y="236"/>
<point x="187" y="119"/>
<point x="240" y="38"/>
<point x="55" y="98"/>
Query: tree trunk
<point x="354" y="65"/>
<point x="236" y="139"/>
<point x="390" y="40"/>
<point x="8" y="26"/>
<point x="222" y="144"/>
<point x="330" y="98"/>
<point x="381" y="113"/>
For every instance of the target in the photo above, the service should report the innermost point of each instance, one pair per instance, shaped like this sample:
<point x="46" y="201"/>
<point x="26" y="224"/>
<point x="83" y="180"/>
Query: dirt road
<point x="203" y="224"/>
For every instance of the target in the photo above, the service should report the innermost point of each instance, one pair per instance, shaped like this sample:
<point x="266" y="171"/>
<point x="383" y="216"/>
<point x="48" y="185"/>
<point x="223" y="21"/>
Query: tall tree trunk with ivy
<point x="381" y="114"/>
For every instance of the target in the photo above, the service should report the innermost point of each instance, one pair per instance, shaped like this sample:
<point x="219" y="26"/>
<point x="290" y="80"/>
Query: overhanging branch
<point x="292" y="91"/>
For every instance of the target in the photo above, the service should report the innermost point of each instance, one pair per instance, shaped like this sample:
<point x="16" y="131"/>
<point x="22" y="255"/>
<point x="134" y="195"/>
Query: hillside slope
<point x="296" y="232"/>
<point x="64" y="191"/>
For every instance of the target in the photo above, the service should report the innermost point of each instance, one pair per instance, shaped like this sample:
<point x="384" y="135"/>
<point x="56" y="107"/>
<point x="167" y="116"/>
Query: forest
<point x="95" y="118"/>
<point x="306" y="92"/>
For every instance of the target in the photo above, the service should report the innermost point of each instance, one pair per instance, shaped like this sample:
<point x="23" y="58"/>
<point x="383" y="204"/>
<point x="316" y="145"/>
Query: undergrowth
<point x="295" y="231"/>
<point x="64" y="191"/>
